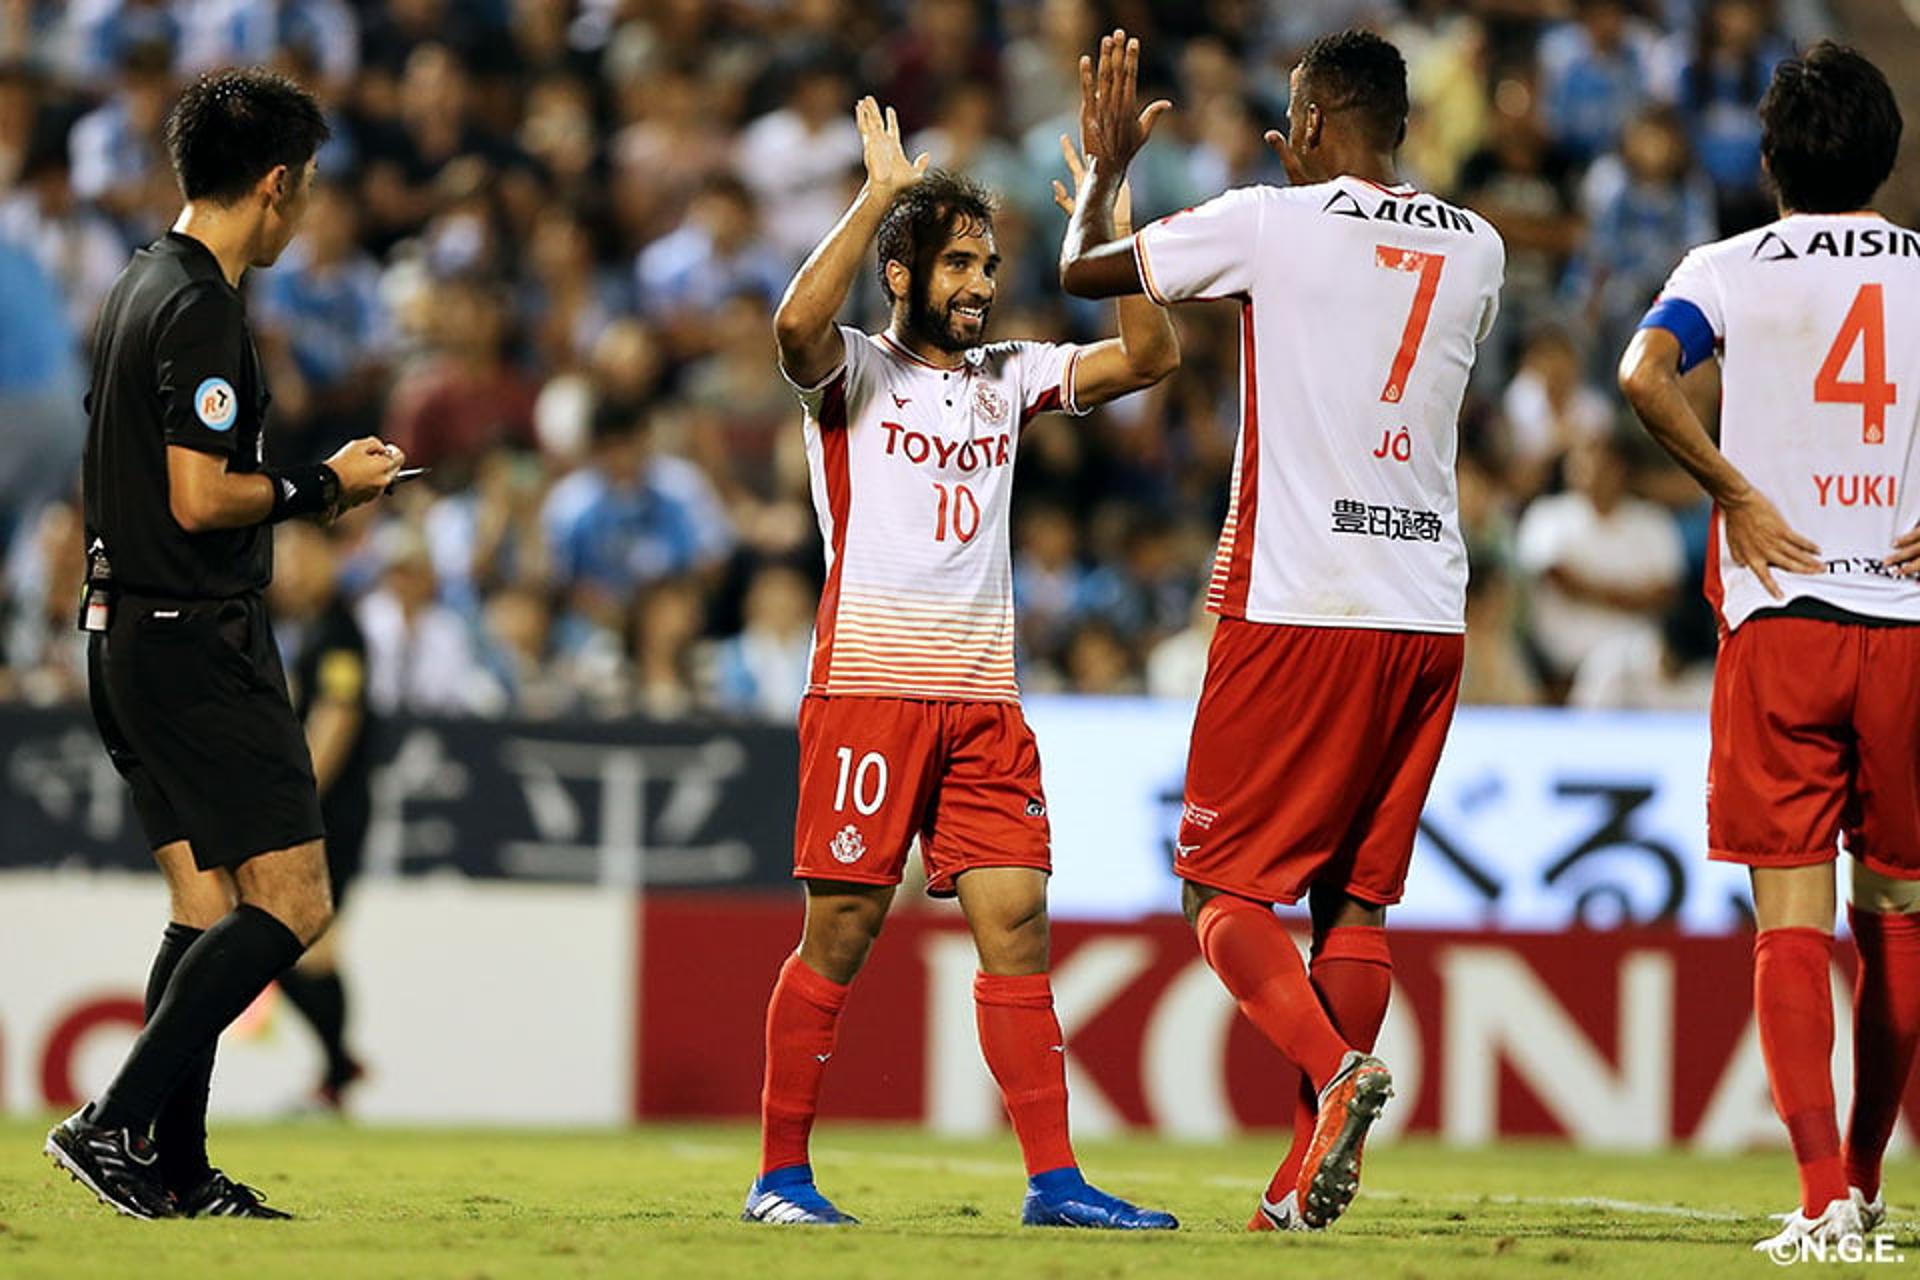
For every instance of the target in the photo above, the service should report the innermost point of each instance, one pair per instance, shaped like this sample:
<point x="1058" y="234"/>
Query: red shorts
<point x="1313" y="750"/>
<point x="876" y="772"/>
<point x="1816" y="733"/>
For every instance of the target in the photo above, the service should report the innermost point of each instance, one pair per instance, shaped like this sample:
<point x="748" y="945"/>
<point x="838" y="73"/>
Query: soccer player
<point x="1816" y="697"/>
<point x="911" y="726"/>
<point x="329" y="686"/>
<point x="187" y="688"/>
<point x="1340" y="576"/>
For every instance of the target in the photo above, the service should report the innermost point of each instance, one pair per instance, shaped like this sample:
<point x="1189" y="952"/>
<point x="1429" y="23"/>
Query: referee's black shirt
<point x="173" y="363"/>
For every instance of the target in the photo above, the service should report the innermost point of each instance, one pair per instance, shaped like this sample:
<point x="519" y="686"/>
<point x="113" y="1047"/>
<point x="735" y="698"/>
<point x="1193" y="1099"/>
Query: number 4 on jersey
<point x="1865" y="327"/>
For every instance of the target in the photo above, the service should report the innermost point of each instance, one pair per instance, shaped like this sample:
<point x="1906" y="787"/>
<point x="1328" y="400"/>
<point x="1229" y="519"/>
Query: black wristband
<point x="302" y="491"/>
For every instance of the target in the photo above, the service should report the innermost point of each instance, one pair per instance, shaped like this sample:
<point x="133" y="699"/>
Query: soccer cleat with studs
<point x="1837" y="1224"/>
<point x="221" y="1197"/>
<point x="787" y="1197"/>
<point x="1063" y="1198"/>
<point x="1348" y="1106"/>
<point x="1872" y="1212"/>
<point x="1284" y="1216"/>
<point x="117" y="1165"/>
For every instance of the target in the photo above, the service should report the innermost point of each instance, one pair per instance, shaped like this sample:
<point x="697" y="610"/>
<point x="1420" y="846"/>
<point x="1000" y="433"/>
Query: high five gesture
<point x="1096" y="261"/>
<point x="810" y="346"/>
<point x="889" y="172"/>
<point x="1110" y="129"/>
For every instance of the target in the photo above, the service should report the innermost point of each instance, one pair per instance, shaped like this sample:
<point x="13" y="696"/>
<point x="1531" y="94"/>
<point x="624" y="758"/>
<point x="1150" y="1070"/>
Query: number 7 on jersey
<point x="1429" y="266"/>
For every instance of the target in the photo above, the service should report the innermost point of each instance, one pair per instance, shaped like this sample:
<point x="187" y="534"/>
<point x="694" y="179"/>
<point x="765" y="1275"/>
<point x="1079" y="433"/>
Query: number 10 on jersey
<point x="956" y="512"/>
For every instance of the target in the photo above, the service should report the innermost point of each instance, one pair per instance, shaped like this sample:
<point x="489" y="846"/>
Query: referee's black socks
<point x="180" y="1131"/>
<point x="322" y="999"/>
<point x="214" y="981"/>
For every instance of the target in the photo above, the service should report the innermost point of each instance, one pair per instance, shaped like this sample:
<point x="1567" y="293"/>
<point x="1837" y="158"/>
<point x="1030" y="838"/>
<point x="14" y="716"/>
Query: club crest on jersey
<point x="847" y="845"/>
<point x="991" y="404"/>
<point x="215" y="404"/>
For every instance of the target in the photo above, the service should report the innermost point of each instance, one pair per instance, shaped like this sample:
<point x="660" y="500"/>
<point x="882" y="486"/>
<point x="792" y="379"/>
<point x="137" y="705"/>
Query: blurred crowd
<point x="548" y="236"/>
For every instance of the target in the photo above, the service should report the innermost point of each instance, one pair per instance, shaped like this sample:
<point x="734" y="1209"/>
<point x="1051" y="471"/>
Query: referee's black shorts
<point x="191" y="701"/>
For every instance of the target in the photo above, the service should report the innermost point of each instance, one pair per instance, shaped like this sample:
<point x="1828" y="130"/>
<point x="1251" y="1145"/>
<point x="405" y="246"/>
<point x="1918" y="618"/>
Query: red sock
<point x="1255" y="957"/>
<point x="1021" y="1041"/>
<point x="802" y="1018"/>
<point x="1793" y="1003"/>
<point x="1352" y="971"/>
<point x="1886" y="1030"/>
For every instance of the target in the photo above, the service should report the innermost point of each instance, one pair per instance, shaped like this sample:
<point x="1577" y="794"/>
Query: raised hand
<point x="889" y="172"/>
<point x="1066" y="196"/>
<point x="1111" y="129"/>
<point x="1296" y="172"/>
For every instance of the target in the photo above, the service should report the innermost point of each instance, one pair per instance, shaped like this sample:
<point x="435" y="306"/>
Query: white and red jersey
<point x="912" y="474"/>
<point x="1818" y="319"/>
<point x="1361" y="309"/>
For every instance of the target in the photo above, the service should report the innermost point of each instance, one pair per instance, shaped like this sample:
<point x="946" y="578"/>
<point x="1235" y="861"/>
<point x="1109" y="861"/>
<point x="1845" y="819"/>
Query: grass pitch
<point x="664" y="1201"/>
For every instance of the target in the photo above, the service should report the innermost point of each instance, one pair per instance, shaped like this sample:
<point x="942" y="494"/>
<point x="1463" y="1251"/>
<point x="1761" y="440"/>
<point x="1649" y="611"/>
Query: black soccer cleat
<point x="221" y="1197"/>
<point x="117" y="1165"/>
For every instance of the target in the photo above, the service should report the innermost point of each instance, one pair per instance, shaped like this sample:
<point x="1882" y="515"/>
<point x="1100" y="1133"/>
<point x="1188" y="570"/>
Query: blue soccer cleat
<point x="1063" y="1198"/>
<point x="788" y="1197"/>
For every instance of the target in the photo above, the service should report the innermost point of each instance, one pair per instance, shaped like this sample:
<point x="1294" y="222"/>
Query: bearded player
<point x="912" y="725"/>
<point x="1816" y="695"/>
<point x="1340" y="576"/>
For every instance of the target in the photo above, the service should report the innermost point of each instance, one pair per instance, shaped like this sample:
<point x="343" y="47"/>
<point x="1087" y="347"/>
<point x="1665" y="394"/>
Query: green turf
<point x="663" y="1201"/>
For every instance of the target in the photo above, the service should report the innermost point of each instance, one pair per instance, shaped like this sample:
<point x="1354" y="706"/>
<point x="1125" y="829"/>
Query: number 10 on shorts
<point x="867" y="782"/>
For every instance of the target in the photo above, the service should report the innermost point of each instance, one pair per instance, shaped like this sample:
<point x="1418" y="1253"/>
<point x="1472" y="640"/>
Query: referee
<point x="187" y="687"/>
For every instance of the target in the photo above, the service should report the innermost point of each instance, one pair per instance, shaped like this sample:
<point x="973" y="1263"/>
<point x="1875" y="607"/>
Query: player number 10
<point x="956" y="501"/>
<point x="868" y="782"/>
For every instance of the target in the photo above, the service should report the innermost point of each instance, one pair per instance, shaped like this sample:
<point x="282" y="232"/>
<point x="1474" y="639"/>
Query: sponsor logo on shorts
<point x="1036" y="808"/>
<point x="215" y="404"/>
<point x="1195" y="815"/>
<point x="848" y="845"/>
<point x="1182" y="850"/>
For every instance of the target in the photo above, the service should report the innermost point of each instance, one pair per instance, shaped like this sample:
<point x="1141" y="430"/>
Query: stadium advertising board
<point x="1628" y="1038"/>
<point x="474" y="1003"/>
<point x="1538" y="820"/>
<point x="583" y="802"/>
<point x="549" y="1004"/>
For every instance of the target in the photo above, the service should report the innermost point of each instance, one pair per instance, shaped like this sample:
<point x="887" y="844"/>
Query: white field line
<point x="709" y="1151"/>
